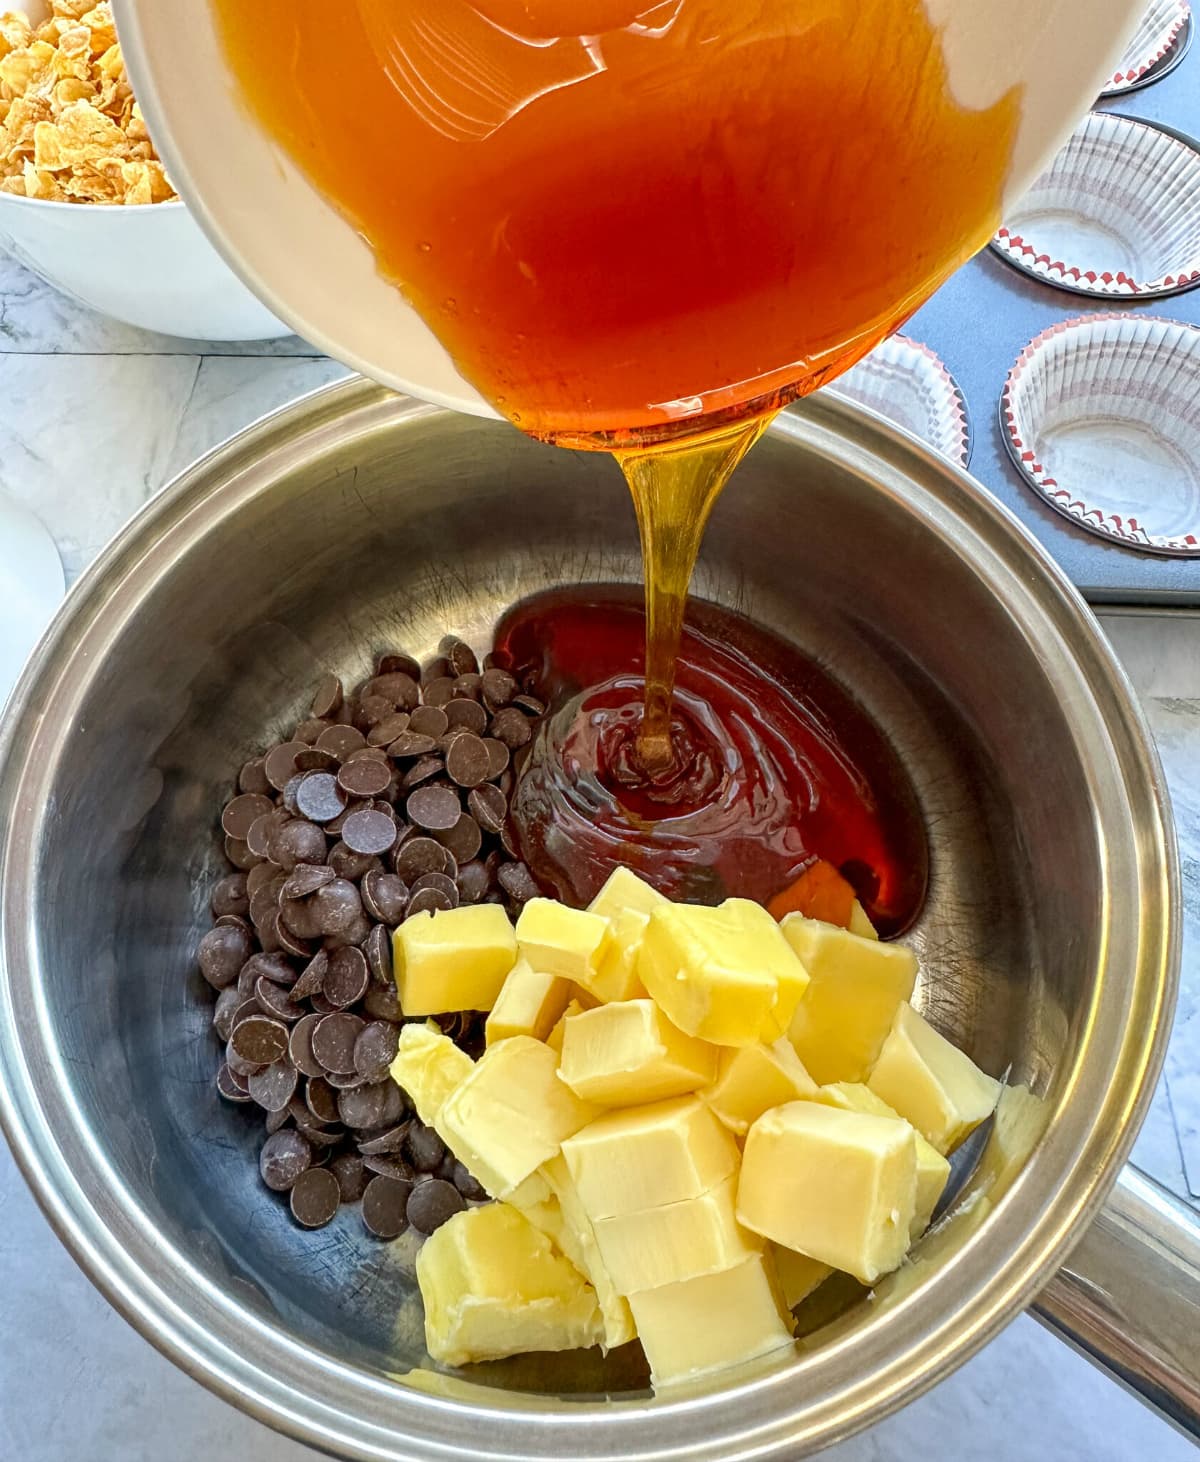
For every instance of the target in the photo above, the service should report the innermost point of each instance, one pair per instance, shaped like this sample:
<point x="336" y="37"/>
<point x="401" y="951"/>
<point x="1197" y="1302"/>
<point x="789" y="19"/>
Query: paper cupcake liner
<point x="1101" y="416"/>
<point x="1117" y="213"/>
<point x="908" y="383"/>
<point x="1156" y="37"/>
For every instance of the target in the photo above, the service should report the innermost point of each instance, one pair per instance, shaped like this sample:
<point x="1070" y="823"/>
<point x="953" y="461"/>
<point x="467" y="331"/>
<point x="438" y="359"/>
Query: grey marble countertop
<point x="94" y="417"/>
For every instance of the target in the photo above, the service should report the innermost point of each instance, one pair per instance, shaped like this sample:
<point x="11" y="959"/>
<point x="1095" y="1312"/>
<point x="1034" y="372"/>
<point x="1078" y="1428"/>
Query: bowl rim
<point x="912" y="1343"/>
<point x="84" y="205"/>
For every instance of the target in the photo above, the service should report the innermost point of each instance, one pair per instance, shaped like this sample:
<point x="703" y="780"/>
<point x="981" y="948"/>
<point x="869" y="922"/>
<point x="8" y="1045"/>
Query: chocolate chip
<point x="344" y="1080"/>
<point x="300" y="1050"/>
<point x="459" y="655"/>
<point x="350" y="1175"/>
<point x="437" y="669"/>
<point x="308" y="731"/>
<point x="230" y="896"/>
<point x="390" y="729"/>
<point x="327" y="700"/>
<point x="348" y="864"/>
<point x="370" y="833"/>
<point x="391" y="1139"/>
<point x="517" y="882"/>
<point x="467" y="760"/>
<point x="378" y="950"/>
<point x="260" y="1039"/>
<point x="440" y="881"/>
<point x="242" y="811"/>
<point x="473" y="882"/>
<point x="388" y="1165"/>
<point x="384" y="1205"/>
<point x="376" y="1104"/>
<point x="321" y="1099"/>
<point x="466" y="715"/>
<point x="320" y="797"/>
<point x="289" y="941"/>
<point x="284" y="1156"/>
<point x="228" y="1003"/>
<point x="240" y="854"/>
<point x="530" y="705"/>
<point x="468" y="687"/>
<point x="260" y="875"/>
<point x="508" y="841"/>
<point x="464" y="839"/>
<point x="279" y="764"/>
<point x="364" y="777"/>
<point x="274" y="1086"/>
<point x="438" y="691"/>
<point x="312" y="979"/>
<point x="384" y="896"/>
<point x="230" y="1085"/>
<point x="499" y="688"/>
<point x="424" y="1147"/>
<point x="253" y="777"/>
<point x="333" y="1041"/>
<point x="429" y="721"/>
<point x="511" y="726"/>
<point x="372" y="711"/>
<point x="429" y="901"/>
<point x="340" y="741"/>
<point x="381" y="1002"/>
<point x="274" y="1000"/>
<point x="295" y="842"/>
<point x="431" y="1202"/>
<point x="338" y="906"/>
<point x="421" y="771"/>
<point x="499" y="757"/>
<point x="467" y="1185"/>
<point x="315" y="1197"/>
<point x="397" y="661"/>
<point x="375" y="1049"/>
<point x="305" y="879"/>
<point x="398" y="689"/>
<point x="346" y="979"/>
<point x="433" y="808"/>
<point x="221" y="954"/>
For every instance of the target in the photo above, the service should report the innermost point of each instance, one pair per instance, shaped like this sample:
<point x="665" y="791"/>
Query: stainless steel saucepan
<point x="357" y="520"/>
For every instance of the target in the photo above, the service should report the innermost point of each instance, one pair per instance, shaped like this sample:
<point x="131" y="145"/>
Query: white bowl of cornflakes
<point x="84" y="200"/>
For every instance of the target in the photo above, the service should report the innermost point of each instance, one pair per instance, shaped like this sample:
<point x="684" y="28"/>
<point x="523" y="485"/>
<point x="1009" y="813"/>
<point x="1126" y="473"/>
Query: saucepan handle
<point x="1129" y="1297"/>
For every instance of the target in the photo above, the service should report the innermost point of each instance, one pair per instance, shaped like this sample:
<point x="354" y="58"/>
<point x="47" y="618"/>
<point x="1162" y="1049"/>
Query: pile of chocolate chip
<point x="382" y="804"/>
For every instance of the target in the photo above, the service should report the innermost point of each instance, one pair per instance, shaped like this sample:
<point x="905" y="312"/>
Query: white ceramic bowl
<point x="148" y="265"/>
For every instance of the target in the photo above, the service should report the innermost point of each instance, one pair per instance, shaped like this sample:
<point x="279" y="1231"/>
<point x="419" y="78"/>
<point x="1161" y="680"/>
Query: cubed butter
<point x="454" y="960"/>
<point x="798" y="1274"/>
<point x="838" y="1186"/>
<point x="753" y="1079"/>
<point x="933" y="1171"/>
<point x="726" y="975"/>
<point x="493" y="1286"/>
<point x="555" y="1039"/>
<point x="630" y="1053"/>
<point x="676" y="1241"/>
<point x="859" y="922"/>
<point x="616" y="977"/>
<point x="625" y="892"/>
<point x="529" y="1004"/>
<point x="855" y="987"/>
<point x="579" y="1245"/>
<point x="641" y="1157"/>
<point x="716" y="1320"/>
<point x="428" y="1066"/>
<point x="562" y="941"/>
<point x="937" y="1087"/>
<point x="511" y="1113"/>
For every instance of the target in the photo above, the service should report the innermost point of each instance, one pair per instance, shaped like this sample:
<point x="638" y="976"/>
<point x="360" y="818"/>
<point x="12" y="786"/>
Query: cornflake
<point x="70" y="129"/>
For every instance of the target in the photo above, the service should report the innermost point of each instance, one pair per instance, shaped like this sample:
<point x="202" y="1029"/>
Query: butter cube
<point x="555" y="1039"/>
<point x="530" y="1194"/>
<point x="716" y="1320"/>
<point x="838" y="1186"/>
<point x="428" y="1066"/>
<point x="616" y="977"/>
<point x="454" y="960"/>
<point x="798" y="1274"/>
<point x="562" y="941"/>
<point x="753" y="1079"/>
<point x="625" y="892"/>
<point x="640" y="1157"/>
<point x="529" y="1004"/>
<point x="933" y="1084"/>
<point x="933" y="1171"/>
<point x="579" y="1245"/>
<point x="726" y="975"/>
<point x="628" y="1053"/>
<point x="493" y="1286"/>
<point x="510" y="1114"/>
<point x="860" y="924"/>
<point x="675" y="1241"/>
<point x="855" y="987"/>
